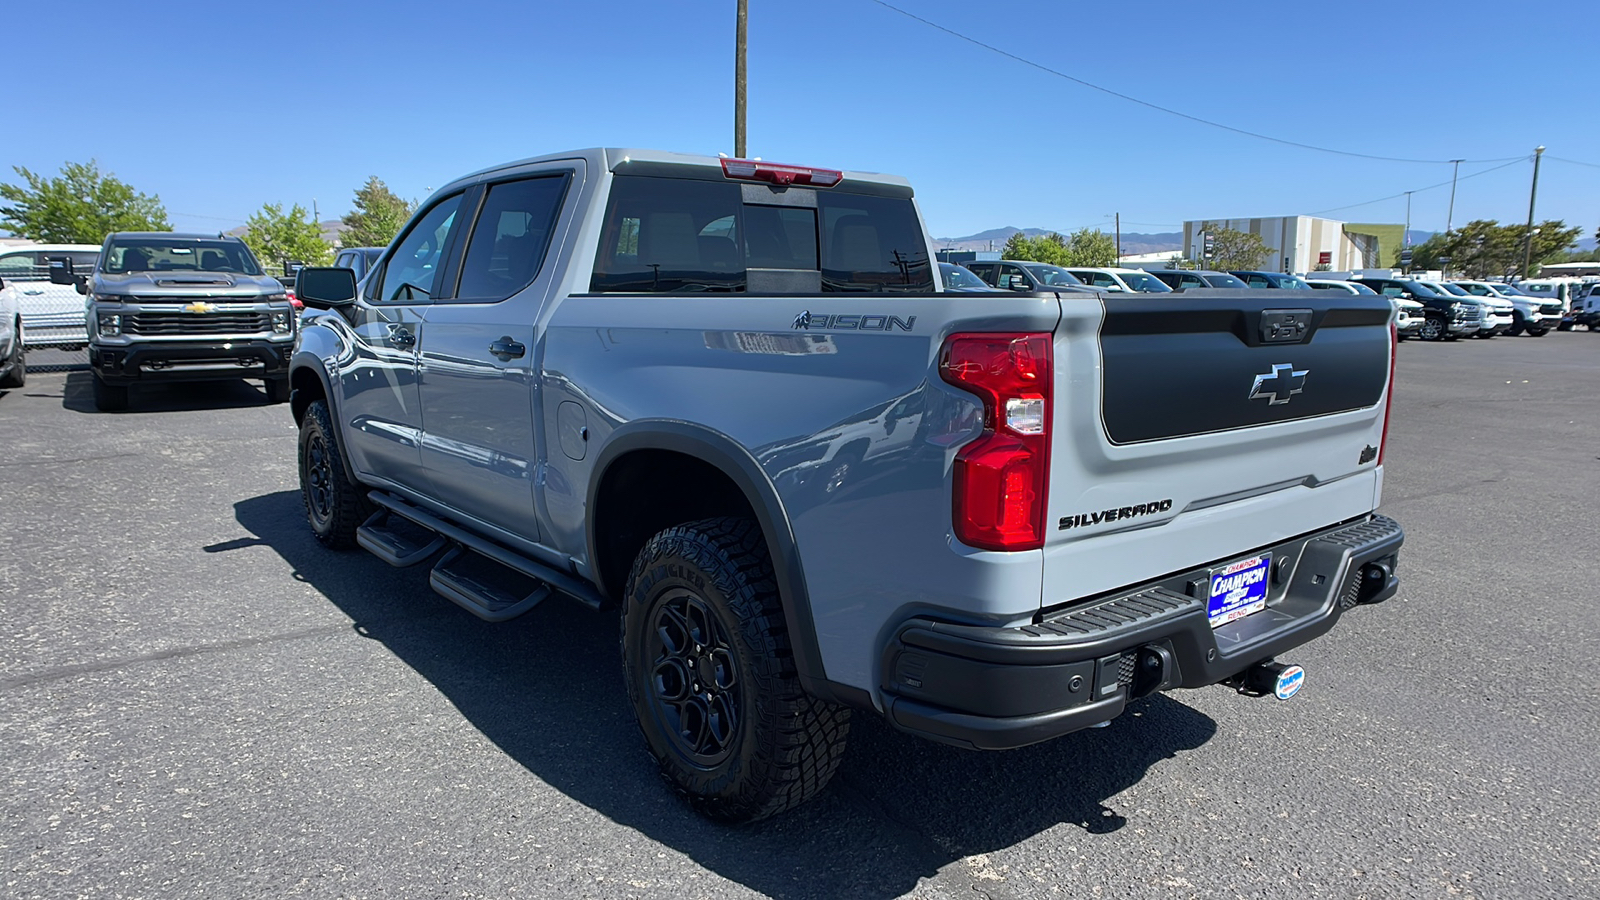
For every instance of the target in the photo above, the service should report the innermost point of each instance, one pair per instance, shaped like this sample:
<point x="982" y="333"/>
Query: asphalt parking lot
<point x="197" y="700"/>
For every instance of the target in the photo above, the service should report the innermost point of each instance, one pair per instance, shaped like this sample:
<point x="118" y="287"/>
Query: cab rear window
<point x="676" y="235"/>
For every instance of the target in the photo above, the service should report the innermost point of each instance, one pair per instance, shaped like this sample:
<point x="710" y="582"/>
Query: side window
<point x="669" y="234"/>
<point x="18" y="265"/>
<point x="872" y="243"/>
<point x="985" y="271"/>
<point x="1190" y="281"/>
<point x="511" y="236"/>
<point x="1256" y="281"/>
<point x="1005" y="276"/>
<point x="412" y="270"/>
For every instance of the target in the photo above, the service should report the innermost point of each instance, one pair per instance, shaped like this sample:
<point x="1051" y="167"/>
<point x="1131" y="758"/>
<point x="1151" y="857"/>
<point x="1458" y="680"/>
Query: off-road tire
<point x="109" y="397"/>
<point x="277" y="390"/>
<point x="335" y="507"/>
<point x="1434" y="328"/>
<point x="783" y="745"/>
<point x="18" y="375"/>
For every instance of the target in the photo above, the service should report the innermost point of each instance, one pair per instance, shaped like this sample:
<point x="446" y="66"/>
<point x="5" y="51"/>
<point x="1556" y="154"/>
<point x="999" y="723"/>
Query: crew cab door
<point x="379" y="404"/>
<point x="477" y="362"/>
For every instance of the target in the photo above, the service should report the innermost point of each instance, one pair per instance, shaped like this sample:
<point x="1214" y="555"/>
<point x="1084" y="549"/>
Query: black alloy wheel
<point x="694" y="679"/>
<point x="335" y="507"/>
<point x="711" y="675"/>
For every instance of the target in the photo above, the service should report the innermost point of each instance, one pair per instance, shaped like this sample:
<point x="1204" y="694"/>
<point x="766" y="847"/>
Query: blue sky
<point x="219" y="108"/>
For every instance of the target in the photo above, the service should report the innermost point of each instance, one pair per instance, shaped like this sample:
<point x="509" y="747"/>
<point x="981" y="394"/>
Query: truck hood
<point x="187" y="284"/>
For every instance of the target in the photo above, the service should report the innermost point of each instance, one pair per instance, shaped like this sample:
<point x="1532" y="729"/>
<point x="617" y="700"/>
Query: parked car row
<point x="1426" y="309"/>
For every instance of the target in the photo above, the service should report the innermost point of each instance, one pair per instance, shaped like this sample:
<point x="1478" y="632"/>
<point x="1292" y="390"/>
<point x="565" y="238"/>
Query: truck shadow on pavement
<point x="174" y="396"/>
<point x="547" y="689"/>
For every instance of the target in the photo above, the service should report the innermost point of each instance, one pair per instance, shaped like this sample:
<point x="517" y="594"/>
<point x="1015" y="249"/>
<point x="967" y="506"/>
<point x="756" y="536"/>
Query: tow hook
<point x="1269" y="677"/>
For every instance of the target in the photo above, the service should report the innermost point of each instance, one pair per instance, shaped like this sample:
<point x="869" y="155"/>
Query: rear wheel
<point x="109" y="397"/>
<point x="711" y="675"/>
<point x="335" y="507"/>
<point x="17" y="375"/>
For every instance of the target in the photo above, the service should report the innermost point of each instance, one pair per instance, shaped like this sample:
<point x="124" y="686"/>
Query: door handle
<point x="402" y="336"/>
<point x="507" y="349"/>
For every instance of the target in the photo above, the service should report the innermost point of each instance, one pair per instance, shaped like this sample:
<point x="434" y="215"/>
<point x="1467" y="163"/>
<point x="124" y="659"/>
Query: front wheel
<point x="1538" y="332"/>
<point x="1433" y="329"/>
<point x="711" y="675"/>
<point x="335" y="507"/>
<point x="1517" y="326"/>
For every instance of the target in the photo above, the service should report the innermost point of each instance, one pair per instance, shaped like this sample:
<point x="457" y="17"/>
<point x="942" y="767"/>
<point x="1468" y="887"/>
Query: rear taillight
<point x="777" y="173"/>
<point x="1002" y="477"/>
<point x="1388" y="395"/>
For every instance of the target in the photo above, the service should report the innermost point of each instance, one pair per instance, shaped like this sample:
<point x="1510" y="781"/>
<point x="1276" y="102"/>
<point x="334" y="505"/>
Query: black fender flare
<point x="734" y="461"/>
<point x="303" y="359"/>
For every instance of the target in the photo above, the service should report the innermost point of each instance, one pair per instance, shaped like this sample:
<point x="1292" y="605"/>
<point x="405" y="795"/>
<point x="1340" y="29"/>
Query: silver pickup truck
<point x="730" y="398"/>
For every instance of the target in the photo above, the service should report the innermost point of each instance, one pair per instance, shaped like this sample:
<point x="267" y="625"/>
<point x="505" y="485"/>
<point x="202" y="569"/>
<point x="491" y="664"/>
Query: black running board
<point x="393" y="548"/>
<point x="458" y="580"/>
<point x="571" y="585"/>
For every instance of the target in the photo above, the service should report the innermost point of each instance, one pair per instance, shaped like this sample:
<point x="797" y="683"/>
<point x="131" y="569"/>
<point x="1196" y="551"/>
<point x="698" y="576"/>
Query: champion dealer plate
<point x="1239" y="589"/>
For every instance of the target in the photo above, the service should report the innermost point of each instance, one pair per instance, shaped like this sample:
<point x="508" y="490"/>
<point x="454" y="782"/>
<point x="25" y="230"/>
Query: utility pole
<point x="1449" y="217"/>
<point x="738" y="80"/>
<point x="1119" y="237"/>
<point x="1405" y="239"/>
<point x="1533" y="192"/>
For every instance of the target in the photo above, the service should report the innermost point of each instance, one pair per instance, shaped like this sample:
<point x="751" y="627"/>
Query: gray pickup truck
<point x="181" y="307"/>
<point x="729" y="397"/>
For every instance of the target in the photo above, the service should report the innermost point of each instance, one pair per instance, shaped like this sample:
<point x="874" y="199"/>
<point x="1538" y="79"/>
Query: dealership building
<point x="1307" y="243"/>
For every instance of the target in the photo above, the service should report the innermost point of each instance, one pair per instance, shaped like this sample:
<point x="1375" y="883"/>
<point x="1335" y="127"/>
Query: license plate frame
<point x="1238" y="589"/>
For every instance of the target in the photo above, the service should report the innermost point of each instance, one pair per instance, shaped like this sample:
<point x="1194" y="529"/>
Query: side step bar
<point x="394" y="548"/>
<point x="450" y="580"/>
<point x="455" y="579"/>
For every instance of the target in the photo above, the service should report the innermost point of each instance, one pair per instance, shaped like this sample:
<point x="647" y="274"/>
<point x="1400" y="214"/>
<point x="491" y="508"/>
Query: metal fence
<point x="53" y="315"/>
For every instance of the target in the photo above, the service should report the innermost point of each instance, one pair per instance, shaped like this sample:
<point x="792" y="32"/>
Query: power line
<point x="1167" y="110"/>
<point x="1575" y="162"/>
<point x="1420" y="190"/>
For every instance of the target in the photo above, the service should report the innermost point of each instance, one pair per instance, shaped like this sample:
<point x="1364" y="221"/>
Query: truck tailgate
<point x="1192" y="428"/>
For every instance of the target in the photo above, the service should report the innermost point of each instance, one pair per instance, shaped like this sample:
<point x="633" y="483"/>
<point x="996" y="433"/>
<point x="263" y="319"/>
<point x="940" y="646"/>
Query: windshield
<point x="1361" y="288"/>
<point x="163" y="254"/>
<point x="1456" y="289"/>
<point x="1509" y="290"/>
<point x="1291" y="283"/>
<point x="1223" y="280"/>
<point x="1146" y="283"/>
<point x="1052" y="275"/>
<point x="957" y="278"/>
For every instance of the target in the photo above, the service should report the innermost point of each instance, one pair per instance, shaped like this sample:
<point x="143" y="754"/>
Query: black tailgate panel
<point x="1188" y="363"/>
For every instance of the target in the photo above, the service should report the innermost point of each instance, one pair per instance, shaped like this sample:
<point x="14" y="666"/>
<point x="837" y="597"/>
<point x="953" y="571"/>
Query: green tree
<point x="82" y="206"/>
<point x="277" y="237"/>
<point x="1091" y="247"/>
<point x="1232" y="249"/>
<point x="377" y="217"/>
<point x="1050" y="248"/>
<point x="1483" y="248"/>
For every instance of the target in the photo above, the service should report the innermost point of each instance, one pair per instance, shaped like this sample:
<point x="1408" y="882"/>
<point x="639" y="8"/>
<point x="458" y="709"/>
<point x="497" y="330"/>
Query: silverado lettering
<point x="1114" y="515"/>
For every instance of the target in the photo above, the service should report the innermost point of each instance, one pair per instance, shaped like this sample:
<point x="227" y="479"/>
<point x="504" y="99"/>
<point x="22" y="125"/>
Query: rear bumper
<point x="190" y="361"/>
<point x="995" y="688"/>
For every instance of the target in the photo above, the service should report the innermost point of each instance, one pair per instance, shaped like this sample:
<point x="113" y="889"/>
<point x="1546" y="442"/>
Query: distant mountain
<point x="995" y="238"/>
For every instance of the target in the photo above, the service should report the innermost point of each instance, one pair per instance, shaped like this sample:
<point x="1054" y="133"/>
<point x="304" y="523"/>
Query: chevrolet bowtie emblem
<point x="1277" y="386"/>
<point x="200" y="306"/>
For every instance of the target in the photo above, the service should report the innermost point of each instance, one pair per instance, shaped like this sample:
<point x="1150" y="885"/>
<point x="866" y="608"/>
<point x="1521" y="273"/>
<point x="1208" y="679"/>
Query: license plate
<point x="1239" y="589"/>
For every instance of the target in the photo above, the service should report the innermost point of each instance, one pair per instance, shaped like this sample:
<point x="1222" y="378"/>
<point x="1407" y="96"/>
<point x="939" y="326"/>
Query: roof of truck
<point x="610" y="158"/>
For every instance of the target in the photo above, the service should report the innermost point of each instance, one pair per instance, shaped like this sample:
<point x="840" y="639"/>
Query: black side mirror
<point x="326" y="287"/>
<point x="60" y="269"/>
<point x="1017" y="283"/>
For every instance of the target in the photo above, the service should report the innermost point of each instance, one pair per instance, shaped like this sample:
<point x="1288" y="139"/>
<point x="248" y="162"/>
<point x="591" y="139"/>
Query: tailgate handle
<point x="1284" y="326"/>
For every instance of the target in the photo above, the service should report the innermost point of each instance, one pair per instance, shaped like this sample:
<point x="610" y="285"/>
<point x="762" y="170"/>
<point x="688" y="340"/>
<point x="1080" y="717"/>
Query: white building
<point x="1307" y="243"/>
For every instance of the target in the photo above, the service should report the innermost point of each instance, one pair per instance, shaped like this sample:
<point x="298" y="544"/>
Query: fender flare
<point x="304" y="359"/>
<point x="733" y="460"/>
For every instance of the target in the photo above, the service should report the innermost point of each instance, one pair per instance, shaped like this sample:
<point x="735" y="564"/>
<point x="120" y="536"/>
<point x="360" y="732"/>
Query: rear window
<point x="672" y="235"/>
